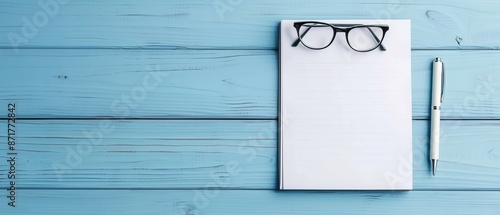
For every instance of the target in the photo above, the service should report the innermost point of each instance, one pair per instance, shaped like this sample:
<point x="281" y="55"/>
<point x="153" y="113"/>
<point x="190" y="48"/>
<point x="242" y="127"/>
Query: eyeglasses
<point x="319" y="35"/>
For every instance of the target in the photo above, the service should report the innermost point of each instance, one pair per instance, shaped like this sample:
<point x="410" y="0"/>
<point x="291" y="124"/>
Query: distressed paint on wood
<point x="108" y="39"/>
<point x="200" y="24"/>
<point x="157" y="154"/>
<point x="210" y="84"/>
<point x="252" y="202"/>
<point x="141" y="84"/>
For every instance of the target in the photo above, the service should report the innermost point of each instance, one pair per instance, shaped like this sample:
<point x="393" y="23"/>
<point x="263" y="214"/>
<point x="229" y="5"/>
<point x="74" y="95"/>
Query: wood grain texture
<point x="185" y="202"/>
<point x="157" y="154"/>
<point x="217" y="60"/>
<point x="202" y="24"/>
<point x="210" y="84"/>
<point x="141" y="84"/>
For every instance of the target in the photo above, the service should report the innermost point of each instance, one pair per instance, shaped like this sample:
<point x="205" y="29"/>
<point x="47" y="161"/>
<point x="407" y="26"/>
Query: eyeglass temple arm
<point x="382" y="47"/>
<point x="296" y="43"/>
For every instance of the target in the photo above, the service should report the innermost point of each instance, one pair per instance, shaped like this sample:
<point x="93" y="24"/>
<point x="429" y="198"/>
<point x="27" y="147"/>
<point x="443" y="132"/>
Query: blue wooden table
<point x="170" y="107"/>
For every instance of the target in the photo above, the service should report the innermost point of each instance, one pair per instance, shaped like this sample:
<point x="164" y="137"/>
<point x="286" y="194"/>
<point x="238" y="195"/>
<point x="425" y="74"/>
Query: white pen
<point x="437" y="99"/>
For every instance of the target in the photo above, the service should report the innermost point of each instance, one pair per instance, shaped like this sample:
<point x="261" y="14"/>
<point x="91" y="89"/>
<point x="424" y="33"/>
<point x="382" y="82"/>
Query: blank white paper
<point x="345" y="116"/>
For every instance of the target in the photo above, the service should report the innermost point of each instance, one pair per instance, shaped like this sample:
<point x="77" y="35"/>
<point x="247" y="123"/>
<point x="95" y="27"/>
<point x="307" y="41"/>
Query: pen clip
<point x="442" y="83"/>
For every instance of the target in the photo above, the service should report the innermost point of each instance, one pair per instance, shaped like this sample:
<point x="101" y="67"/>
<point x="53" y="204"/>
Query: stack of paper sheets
<point x="345" y="116"/>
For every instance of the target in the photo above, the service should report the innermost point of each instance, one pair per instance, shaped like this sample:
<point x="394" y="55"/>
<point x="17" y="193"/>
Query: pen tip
<point x="434" y="166"/>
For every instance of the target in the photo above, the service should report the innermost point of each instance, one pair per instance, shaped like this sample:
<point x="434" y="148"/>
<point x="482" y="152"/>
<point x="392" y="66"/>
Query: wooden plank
<point x="145" y="84"/>
<point x="209" y="84"/>
<point x="174" y="154"/>
<point x="224" y="24"/>
<point x="252" y="202"/>
<point x="137" y="153"/>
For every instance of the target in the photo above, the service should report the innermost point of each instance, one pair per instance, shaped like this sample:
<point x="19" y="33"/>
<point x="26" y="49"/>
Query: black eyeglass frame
<point x="346" y="28"/>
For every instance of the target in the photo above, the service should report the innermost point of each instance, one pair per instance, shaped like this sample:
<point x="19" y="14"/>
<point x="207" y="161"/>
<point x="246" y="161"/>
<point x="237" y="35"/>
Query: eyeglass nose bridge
<point x="346" y="33"/>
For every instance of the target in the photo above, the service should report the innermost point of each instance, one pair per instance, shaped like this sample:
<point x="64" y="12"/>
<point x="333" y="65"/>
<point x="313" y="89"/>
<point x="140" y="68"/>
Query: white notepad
<point x="345" y="116"/>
